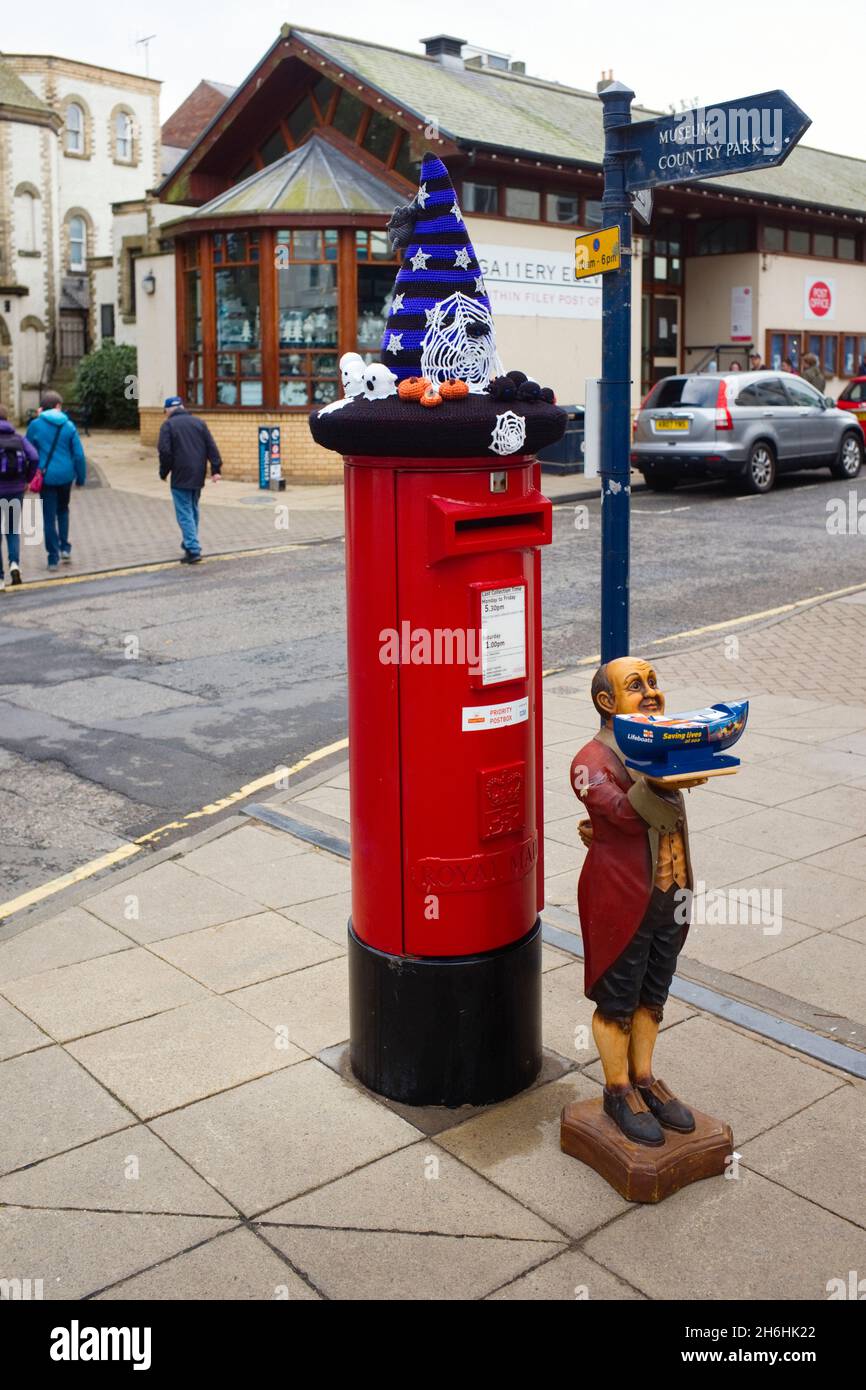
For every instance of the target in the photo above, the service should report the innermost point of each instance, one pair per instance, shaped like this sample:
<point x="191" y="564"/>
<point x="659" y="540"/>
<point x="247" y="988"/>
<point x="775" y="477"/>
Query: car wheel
<point x="660" y="483"/>
<point x="850" y="459"/>
<point x="761" y="468"/>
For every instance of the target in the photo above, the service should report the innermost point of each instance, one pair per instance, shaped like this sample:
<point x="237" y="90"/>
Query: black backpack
<point x="13" y="462"/>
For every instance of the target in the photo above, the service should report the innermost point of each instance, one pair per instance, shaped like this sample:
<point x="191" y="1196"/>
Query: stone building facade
<point x="74" y="140"/>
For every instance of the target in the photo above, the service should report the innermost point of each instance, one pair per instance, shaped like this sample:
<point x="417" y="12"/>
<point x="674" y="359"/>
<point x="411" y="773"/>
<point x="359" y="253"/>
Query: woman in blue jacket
<point x="62" y="461"/>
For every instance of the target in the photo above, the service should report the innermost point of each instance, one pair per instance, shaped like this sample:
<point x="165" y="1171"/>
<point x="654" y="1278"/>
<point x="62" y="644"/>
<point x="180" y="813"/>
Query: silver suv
<point x="742" y="425"/>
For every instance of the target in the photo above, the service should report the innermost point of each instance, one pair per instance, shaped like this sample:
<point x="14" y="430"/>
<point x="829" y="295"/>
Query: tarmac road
<point x="129" y="701"/>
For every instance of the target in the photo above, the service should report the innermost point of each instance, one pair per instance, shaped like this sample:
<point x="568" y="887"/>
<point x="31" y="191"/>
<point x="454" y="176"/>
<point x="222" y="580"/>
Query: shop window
<point x="347" y="116"/>
<point x="798" y="242"/>
<point x="592" y="213"/>
<point x="307" y="317"/>
<point x="853" y="355"/>
<point x="774" y="239"/>
<point x="379" y="137"/>
<point x="846" y="248"/>
<point x="523" y="203"/>
<point x="480" y="197"/>
<point x="823" y="244"/>
<point x="193" y="366"/>
<point x="722" y="236"/>
<point x="274" y="148"/>
<point x="238" y="319"/>
<point x="830" y="354"/>
<point x="562" y="208"/>
<point x="662" y="253"/>
<point x="376" y="266"/>
<point x="235" y="246"/>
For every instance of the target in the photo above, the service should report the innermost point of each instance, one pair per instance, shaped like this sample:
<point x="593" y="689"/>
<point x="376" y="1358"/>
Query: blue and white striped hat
<point x="440" y="324"/>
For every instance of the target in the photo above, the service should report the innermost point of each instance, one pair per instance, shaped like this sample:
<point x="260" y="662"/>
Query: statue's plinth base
<point x="639" y="1173"/>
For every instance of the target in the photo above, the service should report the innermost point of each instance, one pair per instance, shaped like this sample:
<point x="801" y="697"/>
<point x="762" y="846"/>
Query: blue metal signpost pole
<point x="616" y="380"/>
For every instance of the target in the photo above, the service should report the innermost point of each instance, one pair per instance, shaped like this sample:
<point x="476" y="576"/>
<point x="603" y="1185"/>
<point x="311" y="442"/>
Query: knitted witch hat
<point x="440" y="327"/>
<point x="440" y="324"/>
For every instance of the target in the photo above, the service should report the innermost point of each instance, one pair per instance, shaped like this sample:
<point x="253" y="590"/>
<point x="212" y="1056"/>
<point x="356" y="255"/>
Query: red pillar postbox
<point x="444" y="650"/>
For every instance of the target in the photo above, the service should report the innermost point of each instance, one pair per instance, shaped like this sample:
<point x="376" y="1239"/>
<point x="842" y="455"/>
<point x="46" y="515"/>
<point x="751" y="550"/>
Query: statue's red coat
<point x="615" y="884"/>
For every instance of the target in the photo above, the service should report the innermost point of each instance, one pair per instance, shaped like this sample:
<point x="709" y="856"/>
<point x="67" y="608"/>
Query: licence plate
<point x="671" y="424"/>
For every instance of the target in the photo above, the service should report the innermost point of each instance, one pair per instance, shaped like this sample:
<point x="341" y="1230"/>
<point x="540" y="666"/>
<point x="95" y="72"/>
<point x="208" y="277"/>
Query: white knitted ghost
<point x="459" y="342"/>
<point x="379" y="382"/>
<point x="352" y="369"/>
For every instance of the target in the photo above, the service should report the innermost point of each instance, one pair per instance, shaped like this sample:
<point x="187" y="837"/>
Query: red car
<point x="853" y="397"/>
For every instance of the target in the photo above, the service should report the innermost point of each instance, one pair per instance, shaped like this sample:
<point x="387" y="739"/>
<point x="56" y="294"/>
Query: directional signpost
<point x="732" y="137"/>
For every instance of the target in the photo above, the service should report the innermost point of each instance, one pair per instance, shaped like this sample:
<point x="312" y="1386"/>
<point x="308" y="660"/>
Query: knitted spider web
<point x="450" y="347"/>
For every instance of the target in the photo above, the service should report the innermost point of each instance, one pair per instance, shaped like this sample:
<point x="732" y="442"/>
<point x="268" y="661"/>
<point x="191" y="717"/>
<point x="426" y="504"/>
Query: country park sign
<point x="734" y="137"/>
<point x="707" y="142"/>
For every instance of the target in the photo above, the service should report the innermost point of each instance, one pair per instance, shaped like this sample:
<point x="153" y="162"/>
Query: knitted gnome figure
<point x="439" y="348"/>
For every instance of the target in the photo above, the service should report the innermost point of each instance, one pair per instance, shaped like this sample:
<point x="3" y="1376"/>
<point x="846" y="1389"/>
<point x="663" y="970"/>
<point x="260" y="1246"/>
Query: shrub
<point x="107" y="385"/>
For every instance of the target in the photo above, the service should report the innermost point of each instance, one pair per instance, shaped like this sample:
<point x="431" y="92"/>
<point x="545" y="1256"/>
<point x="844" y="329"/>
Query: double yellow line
<point x="124" y="852"/>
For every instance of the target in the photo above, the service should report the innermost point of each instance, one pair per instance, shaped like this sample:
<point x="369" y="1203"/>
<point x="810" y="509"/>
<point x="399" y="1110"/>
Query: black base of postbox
<point x="462" y="1030"/>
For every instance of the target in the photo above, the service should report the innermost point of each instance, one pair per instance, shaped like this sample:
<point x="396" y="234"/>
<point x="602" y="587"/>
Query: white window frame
<point x="74" y="241"/>
<point x="75" y="134"/>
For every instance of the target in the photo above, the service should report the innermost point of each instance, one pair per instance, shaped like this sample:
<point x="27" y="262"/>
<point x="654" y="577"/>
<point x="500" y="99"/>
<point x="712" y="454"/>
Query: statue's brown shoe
<point x="631" y="1115"/>
<point x="663" y="1104"/>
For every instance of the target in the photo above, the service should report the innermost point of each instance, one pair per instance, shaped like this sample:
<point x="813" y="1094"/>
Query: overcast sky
<point x="667" y="50"/>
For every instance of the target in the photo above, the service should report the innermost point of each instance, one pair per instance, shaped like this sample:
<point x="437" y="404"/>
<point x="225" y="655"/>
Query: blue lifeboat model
<point x="682" y="745"/>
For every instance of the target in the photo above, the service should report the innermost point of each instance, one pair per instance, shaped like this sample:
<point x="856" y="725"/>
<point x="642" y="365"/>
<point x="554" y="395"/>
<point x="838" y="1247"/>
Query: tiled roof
<point x="316" y="177"/>
<point x="14" y="91"/>
<point x="486" y="107"/>
<point x="186" y="124"/>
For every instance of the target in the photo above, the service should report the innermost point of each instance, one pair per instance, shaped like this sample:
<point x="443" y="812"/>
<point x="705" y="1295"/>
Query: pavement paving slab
<point x="271" y="1139"/>
<point x="566" y="1278"/>
<point x="236" y="1265"/>
<point x="820" y="1153"/>
<point x="393" y="1265"/>
<point x="421" y="1189"/>
<point x="743" y="1239"/>
<point x="167" y="900"/>
<point x="71" y="1107"/>
<point x="167" y="1061"/>
<point x="18" y="1034"/>
<point x="255" y="949"/>
<point x="131" y="1171"/>
<point x="77" y="1253"/>
<point x="79" y="999"/>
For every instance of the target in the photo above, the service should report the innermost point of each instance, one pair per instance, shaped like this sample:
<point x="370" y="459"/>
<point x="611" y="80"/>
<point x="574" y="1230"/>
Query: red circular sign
<point x="820" y="298"/>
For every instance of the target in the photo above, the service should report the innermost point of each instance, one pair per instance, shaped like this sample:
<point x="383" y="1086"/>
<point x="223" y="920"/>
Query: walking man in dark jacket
<point x="186" y="446"/>
<point x="18" y="463"/>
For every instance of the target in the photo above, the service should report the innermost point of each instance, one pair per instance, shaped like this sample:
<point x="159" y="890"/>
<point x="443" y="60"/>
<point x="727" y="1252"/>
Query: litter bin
<point x="566" y="455"/>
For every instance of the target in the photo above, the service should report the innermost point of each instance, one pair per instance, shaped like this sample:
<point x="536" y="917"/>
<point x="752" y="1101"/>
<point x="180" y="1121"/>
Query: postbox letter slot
<point x="466" y="528"/>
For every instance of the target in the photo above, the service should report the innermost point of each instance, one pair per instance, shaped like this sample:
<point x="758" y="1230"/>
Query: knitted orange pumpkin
<point x="454" y="390"/>
<point x="431" y="396"/>
<point x="413" y="388"/>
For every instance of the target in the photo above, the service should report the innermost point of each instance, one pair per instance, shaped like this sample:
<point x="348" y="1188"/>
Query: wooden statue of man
<point x="634" y="899"/>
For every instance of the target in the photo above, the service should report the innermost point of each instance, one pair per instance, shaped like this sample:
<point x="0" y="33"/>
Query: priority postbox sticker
<point x="495" y="716"/>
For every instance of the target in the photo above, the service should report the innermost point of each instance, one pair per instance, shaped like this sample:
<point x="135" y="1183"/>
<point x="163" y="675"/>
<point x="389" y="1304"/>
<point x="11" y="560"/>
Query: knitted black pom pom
<point x="529" y="391"/>
<point x="547" y="395"/>
<point x="517" y="377"/>
<point x="502" y="388"/>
